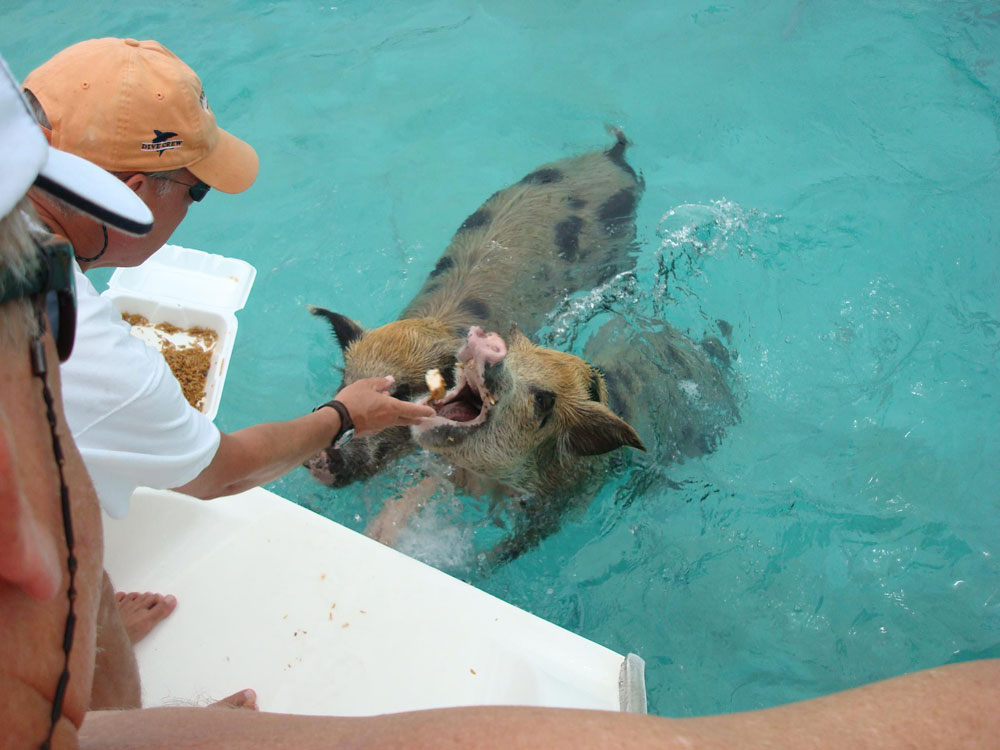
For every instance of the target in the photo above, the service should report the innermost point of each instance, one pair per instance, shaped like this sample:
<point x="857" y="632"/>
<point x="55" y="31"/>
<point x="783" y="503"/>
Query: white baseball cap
<point x="27" y="159"/>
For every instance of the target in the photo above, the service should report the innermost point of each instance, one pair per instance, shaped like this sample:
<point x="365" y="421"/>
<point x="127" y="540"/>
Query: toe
<point x="244" y="699"/>
<point x="162" y="606"/>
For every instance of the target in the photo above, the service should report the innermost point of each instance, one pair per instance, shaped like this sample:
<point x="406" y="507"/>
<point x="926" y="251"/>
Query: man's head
<point x="50" y="532"/>
<point x="35" y="582"/>
<point x="134" y="108"/>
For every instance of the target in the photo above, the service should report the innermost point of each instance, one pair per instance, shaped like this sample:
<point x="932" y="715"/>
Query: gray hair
<point x="162" y="187"/>
<point x="19" y="258"/>
<point x="166" y="181"/>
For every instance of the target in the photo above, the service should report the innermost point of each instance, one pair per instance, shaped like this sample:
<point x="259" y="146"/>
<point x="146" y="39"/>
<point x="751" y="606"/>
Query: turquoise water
<point x="825" y="180"/>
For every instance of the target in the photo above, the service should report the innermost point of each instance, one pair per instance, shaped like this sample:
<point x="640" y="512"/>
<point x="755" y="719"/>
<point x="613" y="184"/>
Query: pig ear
<point x="598" y="430"/>
<point x="345" y="329"/>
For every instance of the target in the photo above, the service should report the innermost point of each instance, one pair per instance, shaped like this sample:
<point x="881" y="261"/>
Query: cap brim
<point x="94" y="191"/>
<point x="231" y="167"/>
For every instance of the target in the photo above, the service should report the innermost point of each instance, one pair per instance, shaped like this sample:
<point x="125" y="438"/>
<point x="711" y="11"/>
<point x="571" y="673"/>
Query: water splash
<point x="693" y="233"/>
<point x="437" y="537"/>
<point x="620" y="294"/>
<point x="662" y="285"/>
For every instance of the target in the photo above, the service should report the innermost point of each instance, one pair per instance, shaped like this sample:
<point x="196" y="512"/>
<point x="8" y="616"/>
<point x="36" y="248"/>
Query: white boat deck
<point x="321" y="620"/>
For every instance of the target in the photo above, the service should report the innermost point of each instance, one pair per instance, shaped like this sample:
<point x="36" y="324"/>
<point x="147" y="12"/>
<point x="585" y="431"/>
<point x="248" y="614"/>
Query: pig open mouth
<point x="468" y="404"/>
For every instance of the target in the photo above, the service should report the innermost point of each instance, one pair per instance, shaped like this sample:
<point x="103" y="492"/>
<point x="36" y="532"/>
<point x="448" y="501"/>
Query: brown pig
<point x="541" y="424"/>
<point x="566" y="226"/>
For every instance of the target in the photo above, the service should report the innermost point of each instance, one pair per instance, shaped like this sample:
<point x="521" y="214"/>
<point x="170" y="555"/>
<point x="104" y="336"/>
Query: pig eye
<point x="402" y="392"/>
<point x="544" y="401"/>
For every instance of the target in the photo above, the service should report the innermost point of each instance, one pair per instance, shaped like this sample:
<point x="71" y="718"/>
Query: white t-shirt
<point x="126" y="410"/>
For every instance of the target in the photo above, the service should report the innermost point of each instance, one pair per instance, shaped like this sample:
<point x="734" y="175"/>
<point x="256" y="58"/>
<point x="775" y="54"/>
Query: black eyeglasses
<point x="54" y="287"/>
<point x="197" y="191"/>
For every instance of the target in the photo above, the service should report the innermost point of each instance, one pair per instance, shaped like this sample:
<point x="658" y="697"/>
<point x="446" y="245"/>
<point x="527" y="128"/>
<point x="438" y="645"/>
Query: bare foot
<point x="245" y="699"/>
<point x="140" y="612"/>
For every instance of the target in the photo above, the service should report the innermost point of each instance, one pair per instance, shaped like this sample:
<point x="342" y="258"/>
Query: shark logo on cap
<point x="162" y="142"/>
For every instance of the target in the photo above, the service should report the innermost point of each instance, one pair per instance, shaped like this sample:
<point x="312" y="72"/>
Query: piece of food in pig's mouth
<point x="463" y="404"/>
<point x="435" y="384"/>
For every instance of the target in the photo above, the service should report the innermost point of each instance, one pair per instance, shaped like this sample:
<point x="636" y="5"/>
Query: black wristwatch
<point x="346" y="431"/>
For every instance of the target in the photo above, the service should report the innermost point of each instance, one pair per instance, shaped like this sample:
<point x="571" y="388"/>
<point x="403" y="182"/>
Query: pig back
<point x="566" y="226"/>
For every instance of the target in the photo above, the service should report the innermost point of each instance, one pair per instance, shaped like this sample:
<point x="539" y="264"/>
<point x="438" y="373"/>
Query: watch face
<point x="344" y="439"/>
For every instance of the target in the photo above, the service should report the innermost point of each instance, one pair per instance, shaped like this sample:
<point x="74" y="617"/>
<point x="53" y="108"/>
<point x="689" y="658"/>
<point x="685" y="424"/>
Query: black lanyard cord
<point x="40" y="370"/>
<point x="80" y="258"/>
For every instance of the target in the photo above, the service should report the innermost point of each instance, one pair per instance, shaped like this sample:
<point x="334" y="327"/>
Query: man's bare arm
<point x="951" y="707"/>
<point x="263" y="452"/>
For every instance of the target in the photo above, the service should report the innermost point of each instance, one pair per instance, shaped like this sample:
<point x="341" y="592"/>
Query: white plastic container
<point x="187" y="288"/>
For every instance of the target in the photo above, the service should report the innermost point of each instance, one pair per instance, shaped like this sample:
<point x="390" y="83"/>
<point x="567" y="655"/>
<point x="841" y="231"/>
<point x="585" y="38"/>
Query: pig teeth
<point x="493" y="401"/>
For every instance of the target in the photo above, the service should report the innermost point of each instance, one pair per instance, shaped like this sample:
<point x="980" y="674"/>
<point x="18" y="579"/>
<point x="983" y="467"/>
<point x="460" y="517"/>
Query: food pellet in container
<point x="189" y="362"/>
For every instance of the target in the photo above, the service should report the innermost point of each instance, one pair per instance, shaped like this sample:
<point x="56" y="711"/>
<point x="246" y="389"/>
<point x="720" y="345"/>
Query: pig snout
<point x="483" y="348"/>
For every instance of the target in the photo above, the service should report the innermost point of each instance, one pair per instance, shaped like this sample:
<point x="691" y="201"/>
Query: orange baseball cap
<point x="128" y="105"/>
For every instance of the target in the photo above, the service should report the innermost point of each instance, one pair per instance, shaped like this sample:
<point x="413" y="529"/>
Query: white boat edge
<point x="319" y="619"/>
<point x="632" y="685"/>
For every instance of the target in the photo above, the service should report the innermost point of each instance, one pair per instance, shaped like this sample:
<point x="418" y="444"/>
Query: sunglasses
<point x="197" y="191"/>
<point x="54" y="288"/>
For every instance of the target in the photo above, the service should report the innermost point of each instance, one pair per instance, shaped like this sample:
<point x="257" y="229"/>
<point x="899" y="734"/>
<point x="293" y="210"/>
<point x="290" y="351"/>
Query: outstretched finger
<point x="384" y="384"/>
<point x="410" y="413"/>
<point x="378" y="384"/>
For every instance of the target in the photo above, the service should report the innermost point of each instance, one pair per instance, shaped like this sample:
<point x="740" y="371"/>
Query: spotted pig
<point x="566" y="226"/>
<point x="542" y="425"/>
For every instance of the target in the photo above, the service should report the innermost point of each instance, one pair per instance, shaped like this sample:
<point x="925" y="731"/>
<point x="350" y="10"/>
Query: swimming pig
<point x="540" y="425"/>
<point x="566" y="226"/>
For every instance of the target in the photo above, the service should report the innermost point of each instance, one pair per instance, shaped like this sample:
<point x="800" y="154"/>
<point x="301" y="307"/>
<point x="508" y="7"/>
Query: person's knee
<point x="116" y="672"/>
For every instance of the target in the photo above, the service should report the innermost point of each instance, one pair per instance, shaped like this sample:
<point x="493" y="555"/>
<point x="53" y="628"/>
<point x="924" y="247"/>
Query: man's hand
<point x="372" y="409"/>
